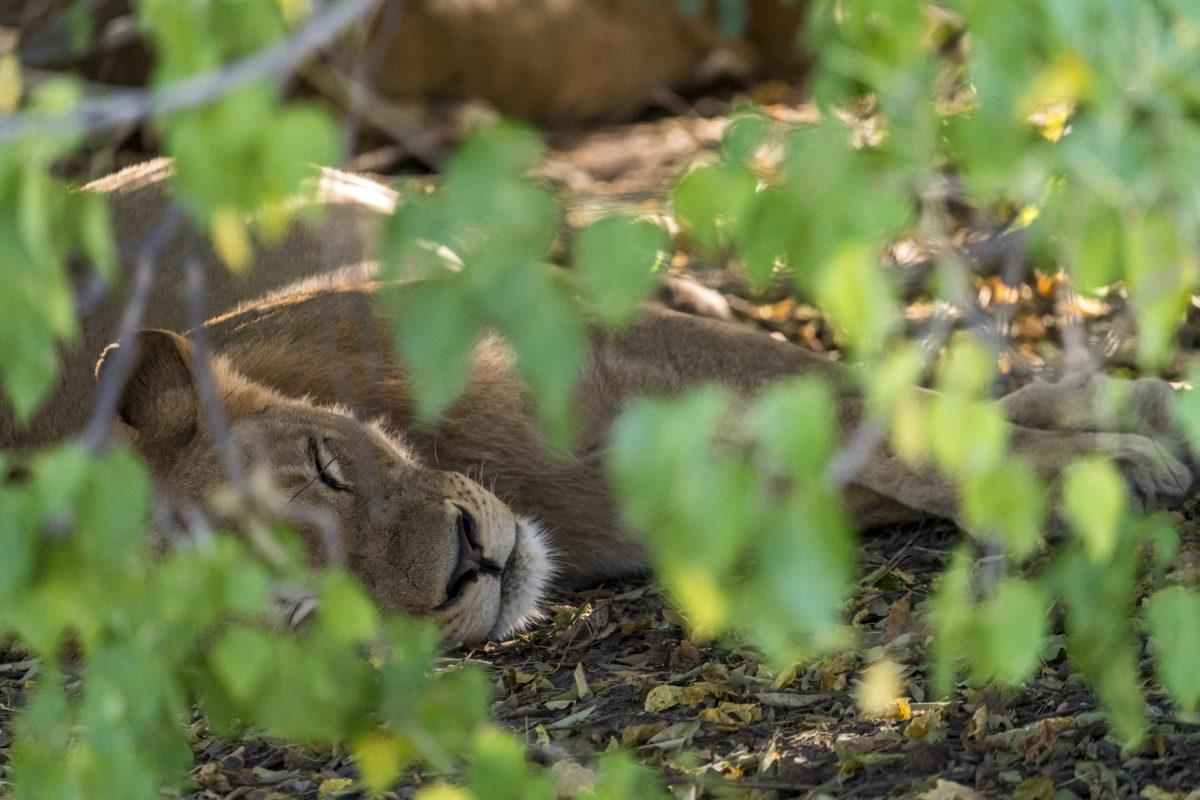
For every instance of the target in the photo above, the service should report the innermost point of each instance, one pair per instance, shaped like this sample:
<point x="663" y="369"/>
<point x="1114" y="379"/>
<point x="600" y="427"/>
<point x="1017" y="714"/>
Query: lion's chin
<point x="527" y="574"/>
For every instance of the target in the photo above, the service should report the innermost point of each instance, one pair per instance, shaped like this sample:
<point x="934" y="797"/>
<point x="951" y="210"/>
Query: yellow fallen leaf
<point x="663" y="697"/>
<point x="443" y="791"/>
<point x="295" y="11"/>
<point x="10" y="83"/>
<point x="949" y="790"/>
<point x="924" y="724"/>
<point x="697" y="693"/>
<point x="880" y="687"/>
<point x="231" y="240"/>
<point x="785" y="678"/>
<point x="380" y="760"/>
<point x="1064" y="82"/>
<point x="332" y="785"/>
<point x="732" y="715"/>
<point x="899" y="710"/>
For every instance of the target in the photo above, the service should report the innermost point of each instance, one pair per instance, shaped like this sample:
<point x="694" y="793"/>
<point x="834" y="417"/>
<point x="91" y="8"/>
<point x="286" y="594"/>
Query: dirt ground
<point x="612" y="667"/>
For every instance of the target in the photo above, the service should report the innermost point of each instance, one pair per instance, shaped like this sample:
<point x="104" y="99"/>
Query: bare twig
<point x="206" y="385"/>
<point x="99" y="427"/>
<point x="387" y="117"/>
<point x="133" y="105"/>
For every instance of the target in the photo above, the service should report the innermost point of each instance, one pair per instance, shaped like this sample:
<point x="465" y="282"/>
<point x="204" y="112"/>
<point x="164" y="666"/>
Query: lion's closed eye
<point x="329" y="470"/>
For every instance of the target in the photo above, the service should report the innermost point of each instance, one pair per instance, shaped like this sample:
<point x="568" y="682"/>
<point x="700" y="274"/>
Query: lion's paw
<point x="1155" y="476"/>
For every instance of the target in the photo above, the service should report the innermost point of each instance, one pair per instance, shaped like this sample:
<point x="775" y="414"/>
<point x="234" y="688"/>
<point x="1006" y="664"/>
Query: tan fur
<point x="317" y="365"/>
<point x="340" y="247"/>
<point x="395" y="519"/>
<point x="554" y="61"/>
<point x="337" y="351"/>
<point x="564" y="61"/>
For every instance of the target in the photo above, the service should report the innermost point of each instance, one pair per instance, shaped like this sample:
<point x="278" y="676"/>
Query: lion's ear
<point x="159" y="400"/>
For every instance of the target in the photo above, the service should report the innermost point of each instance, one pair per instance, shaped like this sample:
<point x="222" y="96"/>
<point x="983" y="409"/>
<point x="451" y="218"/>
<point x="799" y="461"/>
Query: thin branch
<point x="133" y="105"/>
<point x="206" y="385"/>
<point x="99" y="427"/>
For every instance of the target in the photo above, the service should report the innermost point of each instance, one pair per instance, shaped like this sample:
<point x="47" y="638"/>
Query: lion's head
<point x="423" y="540"/>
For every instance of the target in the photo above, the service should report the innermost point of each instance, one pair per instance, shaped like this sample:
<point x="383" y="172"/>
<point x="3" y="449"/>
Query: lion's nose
<point x="471" y="560"/>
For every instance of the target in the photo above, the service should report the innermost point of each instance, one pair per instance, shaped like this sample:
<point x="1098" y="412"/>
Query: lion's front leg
<point x="1155" y="476"/>
<point x="1096" y="403"/>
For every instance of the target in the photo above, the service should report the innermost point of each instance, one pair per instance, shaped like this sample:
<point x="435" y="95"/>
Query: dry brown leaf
<point x="581" y="684"/>
<point x="678" y="735"/>
<point x="697" y="693"/>
<point x="634" y="735"/>
<point x="977" y="725"/>
<point x="572" y="778"/>
<point x="899" y="618"/>
<point x="923" y="724"/>
<point x="684" y="656"/>
<point x="732" y="715"/>
<point x="513" y="677"/>
<point x="831" y="673"/>
<point x="785" y="678"/>
<point x="1042" y="743"/>
<point x="855" y="746"/>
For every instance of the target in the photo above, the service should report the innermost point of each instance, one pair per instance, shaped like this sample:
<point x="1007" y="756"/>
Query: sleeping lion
<point x="470" y="522"/>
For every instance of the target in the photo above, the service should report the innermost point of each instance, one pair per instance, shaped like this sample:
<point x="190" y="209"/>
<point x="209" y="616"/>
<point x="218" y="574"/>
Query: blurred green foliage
<point x="1083" y="112"/>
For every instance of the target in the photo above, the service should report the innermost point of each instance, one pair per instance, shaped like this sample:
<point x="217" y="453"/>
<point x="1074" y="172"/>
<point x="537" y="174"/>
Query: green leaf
<point x="242" y="660"/>
<point x="380" y="761"/>
<point x="807" y="558"/>
<point x="710" y="201"/>
<point x="770" y="229"/>
<point x="540" y="321"/>
<point x="1100" y="636"/>
<point x="966" y="436"/>
<point x="1093" y="501"/>
<point x="497" y="767"/>
<point x="622" y="777"/>
<point x="1171" y="616"/>
<point x="20" y="541"/>
<point x="96" y="233"/>
<point x="615" y="259"/>
<point x="1009" y="629"/>
<point x="796" y="423"/>
<point x="1186" y="409"/>
<point x="967" y="370"/>
<point x="951" y="610"/>
<point x="346" y="613"/>
<point x="743" y="136"/>
<point x="436" y="324"/>
<point x="1006" y="501"/>
<point x="405" y="672"/>
<point x="855" y="293"/>
<point x="299" y="140"/>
